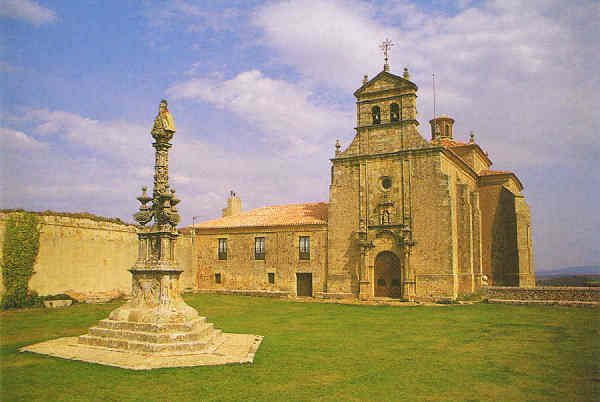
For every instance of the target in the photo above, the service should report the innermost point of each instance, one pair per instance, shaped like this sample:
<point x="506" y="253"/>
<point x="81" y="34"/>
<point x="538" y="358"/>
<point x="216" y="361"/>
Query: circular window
<point x="386" y="183"/>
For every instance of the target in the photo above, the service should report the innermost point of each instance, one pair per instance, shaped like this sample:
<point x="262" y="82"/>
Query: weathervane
<point x="386" y="46"/>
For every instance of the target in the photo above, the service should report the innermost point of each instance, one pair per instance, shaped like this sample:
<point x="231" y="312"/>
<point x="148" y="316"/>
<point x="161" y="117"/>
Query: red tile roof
<point x="279" y="215"/>
<point x="449" y="143"/>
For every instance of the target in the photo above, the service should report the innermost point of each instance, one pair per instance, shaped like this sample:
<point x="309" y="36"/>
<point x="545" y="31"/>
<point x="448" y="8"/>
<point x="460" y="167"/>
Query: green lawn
<point x="315" y="351"/>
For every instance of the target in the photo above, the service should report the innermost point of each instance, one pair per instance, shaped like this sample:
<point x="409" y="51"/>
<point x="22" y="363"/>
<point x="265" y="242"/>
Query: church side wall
<point x="524" y="243"/>
<point x="83" y="255"/>
<point x="489" y="198"/>
<point x="242" y="272"/>
<point x="500" y="253"/>
<point x="432" y="258"/>
<point x="343" y="221"/>
<point x="477" y="242"/>
<point x="466" y="226"/>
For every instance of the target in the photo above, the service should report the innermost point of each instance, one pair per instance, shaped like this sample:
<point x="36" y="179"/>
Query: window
<point x="222" y="249"/>
<point x="376" y="113"/>
<point x="386" y="183"/>
<point x="396" y="282"/>
<point x="271" y="277"/>
<point x="394" y="112"/>
<point x="259" y="248"/>
<point x="447" y="130"/>
<point x="218" y="278"/>
<point x="304" y="248"/>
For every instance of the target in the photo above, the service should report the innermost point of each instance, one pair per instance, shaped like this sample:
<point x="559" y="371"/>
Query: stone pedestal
<point x="156" y="320"/>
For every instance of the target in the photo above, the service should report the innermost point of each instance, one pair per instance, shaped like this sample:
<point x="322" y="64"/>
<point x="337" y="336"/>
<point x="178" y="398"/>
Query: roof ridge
<point x="313" y="213"/>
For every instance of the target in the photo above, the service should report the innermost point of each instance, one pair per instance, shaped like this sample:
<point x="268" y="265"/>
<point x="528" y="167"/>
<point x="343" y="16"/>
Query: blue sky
<point x="260" y="91"/>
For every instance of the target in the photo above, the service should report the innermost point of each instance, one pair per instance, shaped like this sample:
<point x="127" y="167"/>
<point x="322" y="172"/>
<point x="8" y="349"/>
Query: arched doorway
<point x="388" y="275"/>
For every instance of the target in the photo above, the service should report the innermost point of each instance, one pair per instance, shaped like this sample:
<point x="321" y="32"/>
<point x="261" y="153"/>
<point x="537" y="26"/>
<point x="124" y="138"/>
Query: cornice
<point x="498" y="178"/>
<point x="386" y="154"/>
<point x="460" y="161"/>
<point x="315" y="227"/>
<point x="385" y="99"/>
<point x="478" y="149"/>
<point x="389" y="124"/>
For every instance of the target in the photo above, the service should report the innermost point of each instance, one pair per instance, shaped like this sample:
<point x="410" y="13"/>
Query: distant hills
<point x="583" y="270"/>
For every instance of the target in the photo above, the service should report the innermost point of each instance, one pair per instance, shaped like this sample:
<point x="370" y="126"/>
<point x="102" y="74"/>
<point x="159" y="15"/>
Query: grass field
<point x="316" y="351"/>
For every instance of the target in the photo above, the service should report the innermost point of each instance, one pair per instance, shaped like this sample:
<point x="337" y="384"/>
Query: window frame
<point x="222" y="248"/>
<point x="259" y="248"/>
<point x="304" y="248"/>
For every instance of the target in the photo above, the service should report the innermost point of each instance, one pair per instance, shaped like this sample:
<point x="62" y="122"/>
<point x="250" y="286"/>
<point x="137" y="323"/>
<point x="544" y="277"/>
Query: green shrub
<point x="20" y="249"/>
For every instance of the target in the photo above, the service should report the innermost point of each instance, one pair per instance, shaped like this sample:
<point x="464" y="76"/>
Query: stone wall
<point x="584" y="294"/>
<point x="186" y="258"/>
<point x="92" y="256"/>
<point x="241" y="273"/>
<point x="80" y="254"/>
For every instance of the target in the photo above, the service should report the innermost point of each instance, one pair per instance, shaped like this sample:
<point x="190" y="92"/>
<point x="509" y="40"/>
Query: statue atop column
<point x="163" y="124"/>
<point x="164" y="203"/>
<point x="155" y="274"/>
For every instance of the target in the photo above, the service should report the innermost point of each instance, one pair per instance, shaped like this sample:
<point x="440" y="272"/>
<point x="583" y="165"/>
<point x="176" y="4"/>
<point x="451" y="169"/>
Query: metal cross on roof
<point x="385" y="46"/>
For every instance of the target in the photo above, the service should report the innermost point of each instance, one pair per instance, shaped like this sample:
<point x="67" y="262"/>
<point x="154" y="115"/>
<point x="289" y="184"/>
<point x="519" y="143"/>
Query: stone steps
<point x="197" y="335"/>
<point x="208" y="344"/>
<point x="154" y="337"/>
<point x="152" y="327"/>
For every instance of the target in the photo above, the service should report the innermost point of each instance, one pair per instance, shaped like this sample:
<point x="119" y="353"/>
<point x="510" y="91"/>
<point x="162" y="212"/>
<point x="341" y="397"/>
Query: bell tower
<point x="371" y="191"/>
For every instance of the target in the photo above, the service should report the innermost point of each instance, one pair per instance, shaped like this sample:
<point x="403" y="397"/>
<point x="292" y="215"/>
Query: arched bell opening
<point x="388" y="275"/>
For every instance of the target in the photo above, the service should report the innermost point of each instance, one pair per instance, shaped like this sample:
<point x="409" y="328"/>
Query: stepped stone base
<point x="136" y="345"/>
<point x="165" y="339"/>
<point x="230" y="348"/>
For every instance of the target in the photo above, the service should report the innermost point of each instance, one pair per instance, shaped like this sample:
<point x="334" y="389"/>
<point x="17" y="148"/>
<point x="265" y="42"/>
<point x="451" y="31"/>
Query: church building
<point x="407" y="217"/>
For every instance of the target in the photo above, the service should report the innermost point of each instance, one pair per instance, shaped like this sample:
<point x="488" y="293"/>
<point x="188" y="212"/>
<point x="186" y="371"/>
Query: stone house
<point x="407" y="217"/>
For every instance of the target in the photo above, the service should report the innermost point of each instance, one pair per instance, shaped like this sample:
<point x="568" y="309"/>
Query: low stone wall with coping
<point x="548" y="293"/>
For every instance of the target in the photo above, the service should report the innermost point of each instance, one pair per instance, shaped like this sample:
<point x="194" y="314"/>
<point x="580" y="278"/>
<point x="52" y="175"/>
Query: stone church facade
<point x="407" y="217"/>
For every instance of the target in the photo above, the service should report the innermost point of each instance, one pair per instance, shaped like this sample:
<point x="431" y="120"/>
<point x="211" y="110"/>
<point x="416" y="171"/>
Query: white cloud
<point x="28" y="11"/>
<point x="108" y="137"/>
<point x="334" y="42"/>
<point x="279" y="109"/>
<point x="514" y="72"/>
<point x="193" y="16"/>
<point x="13" y="140"/>
<point x="104" y="173"/>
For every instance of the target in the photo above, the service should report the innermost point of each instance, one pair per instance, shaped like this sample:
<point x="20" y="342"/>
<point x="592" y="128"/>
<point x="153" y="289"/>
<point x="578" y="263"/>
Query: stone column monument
<point x="156" y="296"/>
<point x="156" y="328"/>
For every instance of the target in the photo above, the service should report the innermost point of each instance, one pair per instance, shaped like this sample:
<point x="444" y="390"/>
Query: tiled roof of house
<point x="279" y="215"/>
<point x="449" y="143"/>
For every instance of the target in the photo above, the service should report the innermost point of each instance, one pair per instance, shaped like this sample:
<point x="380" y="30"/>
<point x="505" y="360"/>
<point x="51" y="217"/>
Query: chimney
<point x="234" y="205"/>
<point x="441" y="127"/>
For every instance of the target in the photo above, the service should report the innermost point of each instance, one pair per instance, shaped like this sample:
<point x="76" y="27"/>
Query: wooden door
<point x="304" y="284"/>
